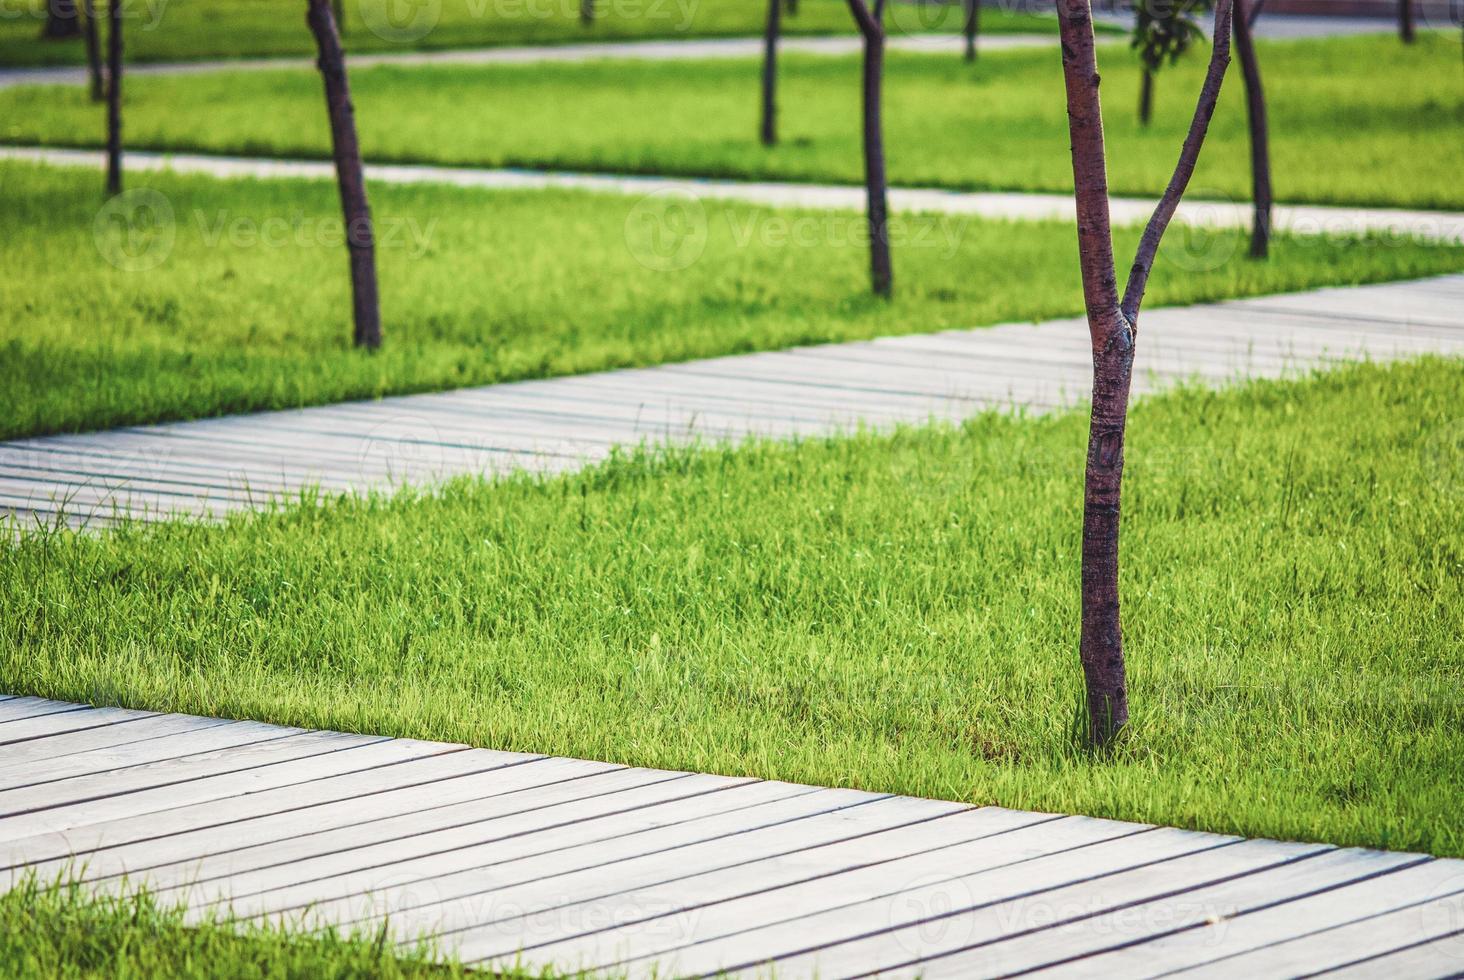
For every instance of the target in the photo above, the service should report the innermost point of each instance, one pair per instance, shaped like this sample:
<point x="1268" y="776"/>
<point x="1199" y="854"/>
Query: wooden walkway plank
<point x="1427" y="960"/>
<point x="1318" y="873"/>
<point x="1228" y="936"/>
<point x="104" y="735"/>
<point x="521" y="791"/>
<point x="1437" y="921"/>
<point x="523" y="890"/>
<point x="652" y="922"/>
<point x="56" y="725"/>
<point x="253" y="803"/>
<point x="20" y="709"/>
<point x="248" y="750"/>
<point x="394" y="889"/>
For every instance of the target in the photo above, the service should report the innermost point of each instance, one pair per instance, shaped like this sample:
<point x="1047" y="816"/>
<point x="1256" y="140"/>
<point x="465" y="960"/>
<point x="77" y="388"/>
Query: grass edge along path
<point x="235" y="302"/>
<point x="893" y="612"/>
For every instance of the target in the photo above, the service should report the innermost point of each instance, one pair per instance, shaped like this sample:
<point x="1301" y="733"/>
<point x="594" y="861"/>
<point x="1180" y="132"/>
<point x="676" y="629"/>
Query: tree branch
<point x="869" y="24"/>
<point x="1133" y="295"/>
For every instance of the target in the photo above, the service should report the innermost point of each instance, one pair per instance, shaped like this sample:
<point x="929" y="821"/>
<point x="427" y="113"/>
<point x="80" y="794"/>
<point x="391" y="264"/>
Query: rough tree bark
<point x="1113" y="326"/>
<point x="769" y="130"/>
<point x="61" y="20"/>
<point x="114" y="97"/>
<point x="360" y="242"/>
<point x="93" y="51"/>
<point x="972" y="27"/>
<point x="1255" y="103"/>
<point x="871" y="27"/>
<point x="1146" y="97"/>
<point x="1405" y="21"/>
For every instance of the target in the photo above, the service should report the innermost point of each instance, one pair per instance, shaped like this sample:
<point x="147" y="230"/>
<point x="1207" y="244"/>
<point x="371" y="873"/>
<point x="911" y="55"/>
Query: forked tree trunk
<point x="114" y="97"/>
<point x="1405" y="21"/>
<point x="1255" y="103"/>
<point x="61" y="20"/>
<point x="769" y="131"/>
<point x="871" y="27"/>
<point x="1146" y="96"/>
<point x="1113" y="328"/>
<point x="360" y="242"/>
<point x="93" y="51"/>
<point x="972" y="27"/>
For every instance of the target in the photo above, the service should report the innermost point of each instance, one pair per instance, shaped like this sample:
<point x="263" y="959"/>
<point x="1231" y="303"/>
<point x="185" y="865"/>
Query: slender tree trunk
<point x="93" y="52"/>
<point x="61" y="20"/>
<point x="1255" y="97"/>
<point x="114" y="97"/>
<point x="1113" y="330"/>
<point x="792" y="8"/>
<point x="1146" y="96"/>
<point x="770" y="74"/>
<point x="350" y="178"/>
<point x="587" y="12"/>
<point x="1405" y="21"/>
<point x="871" y="27"/>
<point x="972" y="27"/>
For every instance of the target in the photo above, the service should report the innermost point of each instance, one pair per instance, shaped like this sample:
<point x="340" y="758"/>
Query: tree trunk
<point x="350" y="178"/>
<point x="1405" y="20"/>
<point x="93" y="52"/>
<point x="1146" y="97"/>
<point x="1255" y="98"/>
<point x="1113" y="330"/>
<point x="972" y="27"/>
<point x="61" y="21"/>
<point x="114" y="97"/>
<point x="770" y="74"/>
<point x="792" y="8"/>
<point x="587" y="12"/>
<point x="871" y="27"/>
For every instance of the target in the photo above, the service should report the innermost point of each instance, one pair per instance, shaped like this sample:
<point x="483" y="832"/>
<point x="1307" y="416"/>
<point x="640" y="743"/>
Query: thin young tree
<point x="792" y="8"/>
<point x="1146" y="96"/>
<point x="114" y="97"/>
<point x="871" y="28"/>
<point x="769" y="128"/>
<point x="61" y="21"/>
<point x="587" y="12"/>
<point x="93" y="51"/>
<point x="1405" y="21"/>
<point x="972" y="27"/>
<point x="1244" y="17"/>
<point x="1112" y="327"/>
<point x="350" y="176"/>
<point x="1163" y="31"/>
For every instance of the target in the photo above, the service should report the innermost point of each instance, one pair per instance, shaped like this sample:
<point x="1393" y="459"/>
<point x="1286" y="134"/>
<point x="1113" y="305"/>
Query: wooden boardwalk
<point x="213" y="466"/>
<point x="506" y="857"/>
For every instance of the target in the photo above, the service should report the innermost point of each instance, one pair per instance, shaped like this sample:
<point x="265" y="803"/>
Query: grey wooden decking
<point x="506" y="857"/>
<point x="213" y="466"/>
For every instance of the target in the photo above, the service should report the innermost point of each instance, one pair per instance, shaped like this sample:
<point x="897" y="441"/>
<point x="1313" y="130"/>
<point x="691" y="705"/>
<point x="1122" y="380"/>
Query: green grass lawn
<point x="61" y="932"/>
<point x="178" y="30"/>
<point x="897" y="613"/>
<point x="1339" y="135"/>
<point x="249" y="308"/>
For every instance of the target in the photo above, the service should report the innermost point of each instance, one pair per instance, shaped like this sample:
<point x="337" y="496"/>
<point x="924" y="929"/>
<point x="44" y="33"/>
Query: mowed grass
<point x="181" y="30"/>
<point x="62" y="932"/>
<point x="1337" y="135"/>
<point x="194" y="297"/>
<point x="897" y="612"/>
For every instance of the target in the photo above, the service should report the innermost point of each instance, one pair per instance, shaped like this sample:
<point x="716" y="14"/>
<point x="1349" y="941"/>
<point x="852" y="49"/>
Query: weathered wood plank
<point x="64" y="723"/>
<point x="122" y="729"/>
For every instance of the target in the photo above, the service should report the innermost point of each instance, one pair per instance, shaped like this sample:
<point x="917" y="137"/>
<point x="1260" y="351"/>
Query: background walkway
<point x="588" y="864"/>
<point x="1442" y="226"/>
<point x="1272" y="26"/>
<point x="213" y="466"/>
